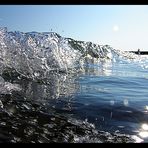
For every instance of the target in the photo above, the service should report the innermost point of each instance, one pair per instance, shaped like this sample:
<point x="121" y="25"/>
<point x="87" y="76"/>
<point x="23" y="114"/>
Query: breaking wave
<point x="36" y="67"/>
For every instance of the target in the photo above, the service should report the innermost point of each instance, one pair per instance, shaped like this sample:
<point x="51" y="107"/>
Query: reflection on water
<point x="26" y="117"/>
<point x="146" y="107"/>
<point x="98" y="67"/>
<point x="47" y="95"/>
<point x="137" y="139"/>
<point x="113" y="96"/>
<point x="56" y="86"/>
<point x="145" y="126"/>
<point x="143" y="134"/>
<point x="96" y="104"/>
<point x="144" y="130"/>
<point x="125" y="102"/>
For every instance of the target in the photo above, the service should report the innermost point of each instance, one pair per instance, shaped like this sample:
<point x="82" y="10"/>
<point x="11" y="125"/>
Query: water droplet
<point x="36" y="74"/>
<point x="112" y="102"/>
<point x="1" y="104"/>
<point x="125" y="102"/>
<point x="3" y="123"/>
<point x="146" y="107"/>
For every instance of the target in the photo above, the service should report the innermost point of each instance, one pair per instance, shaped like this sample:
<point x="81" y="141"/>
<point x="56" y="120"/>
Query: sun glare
<point x="115" y="28"/>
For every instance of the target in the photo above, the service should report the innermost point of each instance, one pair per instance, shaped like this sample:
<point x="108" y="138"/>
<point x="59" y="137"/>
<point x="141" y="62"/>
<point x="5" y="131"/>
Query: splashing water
<point x="39" y="77"/>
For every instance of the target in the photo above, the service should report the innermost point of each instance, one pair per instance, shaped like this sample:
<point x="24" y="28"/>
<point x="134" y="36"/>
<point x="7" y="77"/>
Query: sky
<point x="123" y="27"/>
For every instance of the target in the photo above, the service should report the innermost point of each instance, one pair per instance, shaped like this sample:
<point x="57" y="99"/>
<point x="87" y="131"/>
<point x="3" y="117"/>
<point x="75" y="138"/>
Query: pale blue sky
<point x="121" y="26"/>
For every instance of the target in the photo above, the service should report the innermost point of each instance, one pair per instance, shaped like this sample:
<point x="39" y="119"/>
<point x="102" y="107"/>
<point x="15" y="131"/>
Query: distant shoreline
<point x="140" y="53"/>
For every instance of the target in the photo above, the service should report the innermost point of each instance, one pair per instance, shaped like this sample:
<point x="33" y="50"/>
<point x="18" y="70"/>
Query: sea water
<point x="113" y="96"/>
<point x="104" y="102"/>
<point x="55" y="89"/>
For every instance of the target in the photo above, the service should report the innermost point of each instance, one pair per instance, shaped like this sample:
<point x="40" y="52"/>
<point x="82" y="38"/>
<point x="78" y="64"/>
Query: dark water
<point x="105" y="102"/>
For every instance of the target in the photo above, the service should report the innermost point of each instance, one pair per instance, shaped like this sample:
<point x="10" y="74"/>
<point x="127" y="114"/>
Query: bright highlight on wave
<point x="146" y="107"/>
<point x="35" y="54"/>
<point x="145" y="126"/>
<point x="53" y="61"/>
<point x="144" y="132"/>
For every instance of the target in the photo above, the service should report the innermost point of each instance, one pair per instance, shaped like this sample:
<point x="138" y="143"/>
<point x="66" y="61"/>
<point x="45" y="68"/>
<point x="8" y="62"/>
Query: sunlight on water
<point x="144" y="132"/>
<point x="145" y="126"/>
<point x="146" y="107"/>
<point x="125" y="102"/>
<point x="137" y="139"/>
<point x="112" y="102"/>
<point x="46" y="101"/>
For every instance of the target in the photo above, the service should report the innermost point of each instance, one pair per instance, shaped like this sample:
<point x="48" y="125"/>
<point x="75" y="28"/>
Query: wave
<point x="38" y="67"/>
<point x="34" y="54"/>
<point x="43" y="56"/>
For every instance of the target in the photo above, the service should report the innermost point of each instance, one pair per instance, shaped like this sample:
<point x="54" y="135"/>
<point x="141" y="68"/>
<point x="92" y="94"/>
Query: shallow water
<point x="118" y="96"/>
<point x="105" y="102"/>
<point x="55" y="89"/>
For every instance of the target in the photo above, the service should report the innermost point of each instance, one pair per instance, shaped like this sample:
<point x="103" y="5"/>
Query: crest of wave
<point x="35" y="54"/>
<point x="130" y="57"/>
